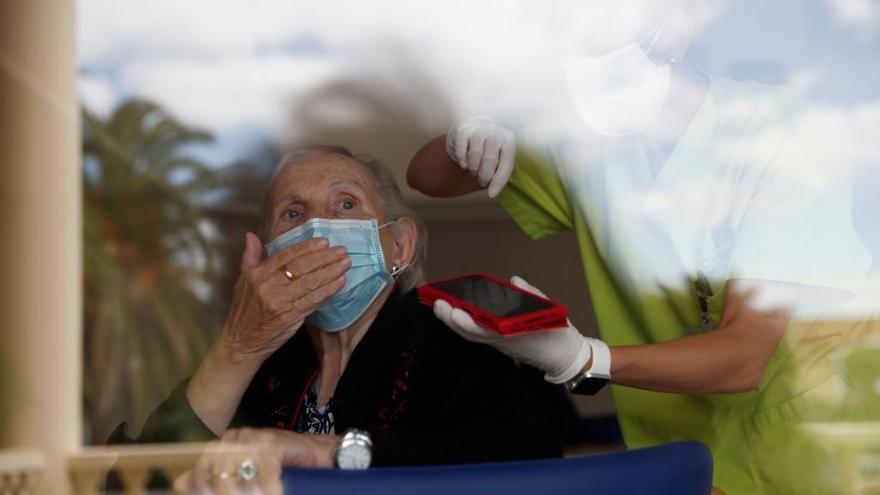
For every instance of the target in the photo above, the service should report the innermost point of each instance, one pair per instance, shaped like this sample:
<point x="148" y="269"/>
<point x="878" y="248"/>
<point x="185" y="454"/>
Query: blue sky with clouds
<point x="247" y="71"/>
<point x="230" y="65"/>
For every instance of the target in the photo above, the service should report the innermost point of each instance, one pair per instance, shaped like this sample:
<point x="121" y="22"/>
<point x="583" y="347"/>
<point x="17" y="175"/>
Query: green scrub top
<point x="750" y="191"/>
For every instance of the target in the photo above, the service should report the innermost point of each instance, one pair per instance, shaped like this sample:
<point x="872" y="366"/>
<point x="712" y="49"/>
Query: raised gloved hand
<point x="560" y="353"/>
<point x="484" y="148"/>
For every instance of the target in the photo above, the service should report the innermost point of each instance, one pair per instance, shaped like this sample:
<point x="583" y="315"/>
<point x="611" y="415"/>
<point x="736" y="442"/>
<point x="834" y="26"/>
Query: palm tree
<point x="238" y="209"/>
<point x="148" y="258"/>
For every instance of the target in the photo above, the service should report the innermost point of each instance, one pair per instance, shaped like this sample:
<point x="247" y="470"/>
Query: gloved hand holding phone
<point x="560" y="353"/>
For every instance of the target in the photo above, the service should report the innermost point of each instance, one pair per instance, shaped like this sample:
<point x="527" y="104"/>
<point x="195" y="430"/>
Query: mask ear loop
<point x="679" y="20"/>
<point x="647" y="43"/>
<point x="396" y="269"/>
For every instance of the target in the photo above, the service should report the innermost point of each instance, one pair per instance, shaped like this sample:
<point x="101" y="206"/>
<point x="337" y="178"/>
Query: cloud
<point x="226" y="64"/>
<point x="861" y="128"/>
<point x="227" y="93"/>
<point x="863" y="14"/>
<point x="220" y="64"/>
<point x="122" y="31"/>
<point x="99" y="94"/>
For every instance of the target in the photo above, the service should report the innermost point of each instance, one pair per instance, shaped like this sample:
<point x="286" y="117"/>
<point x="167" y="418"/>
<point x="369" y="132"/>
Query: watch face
<point x="354" y="456"/>
<point x="589" y="386"/>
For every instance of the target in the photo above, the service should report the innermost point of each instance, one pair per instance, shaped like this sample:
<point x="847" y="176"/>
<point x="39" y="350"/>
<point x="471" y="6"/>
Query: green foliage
<point x="149" y="261"/>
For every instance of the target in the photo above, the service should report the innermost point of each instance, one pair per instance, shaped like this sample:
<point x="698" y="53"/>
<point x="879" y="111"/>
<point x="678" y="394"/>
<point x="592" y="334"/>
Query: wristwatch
<point x="592" y="380"/>
<point x="354" y="450"/>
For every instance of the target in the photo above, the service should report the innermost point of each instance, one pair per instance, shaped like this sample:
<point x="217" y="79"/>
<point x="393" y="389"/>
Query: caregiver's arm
<point x="475" y="154"/>
<point x="729" y="359"/>
<point x="434" y="173"/>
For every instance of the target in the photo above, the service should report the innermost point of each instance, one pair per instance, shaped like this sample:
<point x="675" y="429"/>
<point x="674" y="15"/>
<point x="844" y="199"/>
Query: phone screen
<point x="494" y="298"/>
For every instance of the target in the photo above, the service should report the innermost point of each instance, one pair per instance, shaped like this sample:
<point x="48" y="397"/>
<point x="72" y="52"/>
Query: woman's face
<point x="326" y="186"/>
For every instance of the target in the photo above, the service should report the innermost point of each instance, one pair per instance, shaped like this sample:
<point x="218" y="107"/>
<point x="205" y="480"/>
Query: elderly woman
<point x="327" y="358"/>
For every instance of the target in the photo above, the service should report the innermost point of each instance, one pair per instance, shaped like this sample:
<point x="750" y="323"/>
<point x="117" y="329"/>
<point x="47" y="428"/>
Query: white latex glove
<point x="484" y="148"/>
<point x="560" y="353"/>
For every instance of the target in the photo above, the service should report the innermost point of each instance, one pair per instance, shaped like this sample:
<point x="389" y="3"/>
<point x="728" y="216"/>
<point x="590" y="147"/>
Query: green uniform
<point x="751" y="191"/>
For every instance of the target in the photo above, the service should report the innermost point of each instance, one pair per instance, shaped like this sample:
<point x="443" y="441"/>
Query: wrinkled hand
<point x="560" y="353"/>
<point x="485" y="149"/>
<point x="217" y="470"/>
<point x="267" y="308"/>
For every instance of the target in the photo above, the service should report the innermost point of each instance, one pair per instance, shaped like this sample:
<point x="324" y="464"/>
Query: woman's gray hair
<point x="393" y="205"/>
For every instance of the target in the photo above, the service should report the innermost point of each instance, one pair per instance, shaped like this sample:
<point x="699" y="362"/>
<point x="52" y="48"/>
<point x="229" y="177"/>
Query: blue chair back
<point x="682" y="468"/>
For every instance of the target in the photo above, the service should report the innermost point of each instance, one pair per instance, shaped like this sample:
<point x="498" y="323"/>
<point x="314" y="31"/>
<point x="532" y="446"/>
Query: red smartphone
<point x="496" y="304"/>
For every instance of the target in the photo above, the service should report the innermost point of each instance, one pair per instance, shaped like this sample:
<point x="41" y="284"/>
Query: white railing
<point x="856" y="447"/>
<point x="21" y="472"/>
<point x="134" y="464"/>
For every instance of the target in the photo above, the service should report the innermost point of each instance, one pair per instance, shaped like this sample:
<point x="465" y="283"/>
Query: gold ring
<point x="289" y="275"/>
<point x="224" y="475"/>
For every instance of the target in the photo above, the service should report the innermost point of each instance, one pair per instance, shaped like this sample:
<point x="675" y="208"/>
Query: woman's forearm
<point x="433" y="173"/>
<point x="216" y="388"/>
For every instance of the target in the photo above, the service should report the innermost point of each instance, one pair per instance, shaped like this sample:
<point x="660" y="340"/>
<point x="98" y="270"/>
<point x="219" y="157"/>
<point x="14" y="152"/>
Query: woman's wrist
<point x="216" y="388"/>
<point x="325" y="450"/>
<point x="307" y="450"/>
<point x="228" y="350"/>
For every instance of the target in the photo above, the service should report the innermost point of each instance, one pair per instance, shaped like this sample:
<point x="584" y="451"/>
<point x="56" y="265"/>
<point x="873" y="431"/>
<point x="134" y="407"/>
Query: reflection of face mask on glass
<point x="619" y="93"/>
<point x="364" y="280"/>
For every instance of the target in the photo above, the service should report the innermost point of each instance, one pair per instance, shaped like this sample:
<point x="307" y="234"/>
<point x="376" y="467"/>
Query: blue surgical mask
<point x="365" y="278"/>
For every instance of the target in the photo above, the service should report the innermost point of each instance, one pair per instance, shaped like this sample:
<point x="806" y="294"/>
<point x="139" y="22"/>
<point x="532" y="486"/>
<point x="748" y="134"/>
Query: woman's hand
<point x="267" y="307"/>
<point x="250" y="460"/>
<point x="267" y="310"/>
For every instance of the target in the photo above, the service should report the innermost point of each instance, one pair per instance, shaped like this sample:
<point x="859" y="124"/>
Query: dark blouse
<point x="426" y="396"/>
